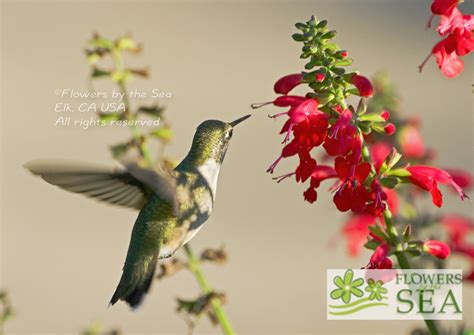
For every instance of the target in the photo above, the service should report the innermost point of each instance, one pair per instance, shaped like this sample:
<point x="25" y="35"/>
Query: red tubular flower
<point x="310" y="195"/>
<point x="377" y="199"/>
<point x="463" y="178"/>
<point x="309" y="125"/>
<point x="428" y="178"/>
<point x="448" y="61"/>
<point x="436" y="248"/>
<point x="456" y="23"/>
<point x="363" y="85"/>
<point x="289" y="150"/>
<point x="379" y="259"/>
<point x="351" y="194"/>
<point x="443" y="7"/>
<point x="342" y="137"/>
<point x="411" y="142"/>
<point x="306" y="166"/>
<point x="319" y="173"/>
<point x="285" y="84"/>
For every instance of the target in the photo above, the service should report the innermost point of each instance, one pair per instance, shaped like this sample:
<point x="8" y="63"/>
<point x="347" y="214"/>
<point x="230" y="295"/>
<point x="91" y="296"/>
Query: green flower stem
<point x="402" y="260"/>
<point x="394" y="238"/>
<point x="194" y="263"/>
<point x="195" y="268"/>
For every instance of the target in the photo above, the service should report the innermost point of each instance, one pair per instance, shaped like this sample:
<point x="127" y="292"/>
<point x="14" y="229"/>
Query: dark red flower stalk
<point x="437" y="249"/>
<point x="428" y="178"/>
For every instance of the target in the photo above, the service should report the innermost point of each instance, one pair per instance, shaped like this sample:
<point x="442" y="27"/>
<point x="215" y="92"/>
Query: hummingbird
<point x="173" y="205"/>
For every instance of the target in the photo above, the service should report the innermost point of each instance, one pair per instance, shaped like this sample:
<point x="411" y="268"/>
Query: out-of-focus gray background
<point x="62" y="254"/>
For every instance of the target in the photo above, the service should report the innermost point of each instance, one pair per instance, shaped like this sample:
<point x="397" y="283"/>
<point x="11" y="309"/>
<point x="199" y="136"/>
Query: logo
<point x="359" y="294"/>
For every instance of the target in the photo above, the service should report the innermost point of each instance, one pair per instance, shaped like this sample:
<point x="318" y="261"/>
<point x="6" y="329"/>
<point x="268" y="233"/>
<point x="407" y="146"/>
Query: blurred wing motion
<point x="127" y="187"/>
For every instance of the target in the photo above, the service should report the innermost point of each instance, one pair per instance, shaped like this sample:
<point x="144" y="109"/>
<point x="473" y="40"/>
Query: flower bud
<point x="390" y="129"/>
<point x="363" y="85"/>
<point x="437" y="249"/>
<point x="385" y="115"/>
<point x="287" y="83"/>
<point x="320" y="77"/>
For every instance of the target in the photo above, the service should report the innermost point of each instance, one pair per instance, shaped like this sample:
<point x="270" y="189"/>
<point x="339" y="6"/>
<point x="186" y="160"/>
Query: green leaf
<point x="298" y="37"/>
<point x="343" y="62"/>
<point x="377" y="231"/>
<point x="322" y="24"/>
<point x="399" y="172"/>
<point x="97" y="73"/>
<point x="389" y="182"/>
<point x="127" y="43"/>
<point x="372" y="117"/>
<point x="108" y="117"/>
<point x="99" y="42"/>
<point x="163" y="134"/>
<point x="329" y="35"/>
<point x="372" y="244"/>
<point x="301" y="26"/>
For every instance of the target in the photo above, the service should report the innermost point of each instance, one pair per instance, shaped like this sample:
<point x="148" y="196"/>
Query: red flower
<point x="342" y="137"/>
<point x="352" y="194"/>
<point x="411" y="142"/>
<point x="428" y="178"/>
<point x="379" y="259"/>
<point x="377" y="199"/>
<point x="443" y="7"/>
<point x="363" y="85"/>
<point x="460" y="42"/>
<point x="319" y="173"/>
<point x="287" y="83"/>
<point x="306" y="166"/>
<point x="310" y="195"/>
<point x="436" y="248"/>
<point x="448" y="61"/>
<point x="356" y="231"/>
<point x="455" y="22"/>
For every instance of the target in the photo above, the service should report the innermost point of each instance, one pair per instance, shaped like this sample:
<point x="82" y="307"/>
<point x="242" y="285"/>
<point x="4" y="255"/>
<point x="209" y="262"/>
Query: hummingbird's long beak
<point x="240" y="119"/>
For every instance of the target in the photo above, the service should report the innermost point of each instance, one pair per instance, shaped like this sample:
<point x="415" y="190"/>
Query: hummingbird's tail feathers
<point x="111" y="185"/>
<point x="135" y="282"/>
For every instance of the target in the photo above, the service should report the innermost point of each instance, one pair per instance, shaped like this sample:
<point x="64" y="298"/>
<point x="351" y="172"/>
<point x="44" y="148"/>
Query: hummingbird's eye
<point x="229" y="134"/>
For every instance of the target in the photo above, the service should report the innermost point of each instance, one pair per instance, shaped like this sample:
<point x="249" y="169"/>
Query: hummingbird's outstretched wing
<point x="127" y="187"/>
